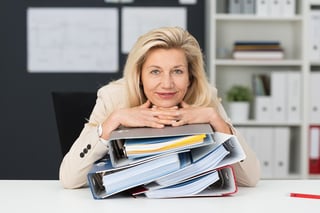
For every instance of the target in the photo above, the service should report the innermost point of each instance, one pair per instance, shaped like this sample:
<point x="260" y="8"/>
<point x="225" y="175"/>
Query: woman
<point x="164" y="83"/>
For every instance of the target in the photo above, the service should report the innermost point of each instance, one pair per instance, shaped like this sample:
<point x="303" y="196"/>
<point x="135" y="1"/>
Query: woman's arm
<point x="110" y="112"/>
<point x="87" y="148"/>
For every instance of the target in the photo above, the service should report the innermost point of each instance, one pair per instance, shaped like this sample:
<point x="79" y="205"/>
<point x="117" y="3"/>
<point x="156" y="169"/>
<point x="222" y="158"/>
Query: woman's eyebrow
<point x="178" y="66"/>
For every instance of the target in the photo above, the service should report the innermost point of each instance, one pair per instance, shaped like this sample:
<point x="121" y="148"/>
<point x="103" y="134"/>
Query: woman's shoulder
<point x="112" y="94"/>
<point x="113" y="87"/>
<point x="213" y="89"/>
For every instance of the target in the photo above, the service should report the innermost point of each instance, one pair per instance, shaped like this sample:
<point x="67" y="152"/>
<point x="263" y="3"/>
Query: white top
<point x="49" y="196"/>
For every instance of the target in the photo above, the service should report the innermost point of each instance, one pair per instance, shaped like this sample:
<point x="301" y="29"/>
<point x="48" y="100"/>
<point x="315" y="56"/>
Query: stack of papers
<point x="189" y="187"/>
<point x="185" y="161"/>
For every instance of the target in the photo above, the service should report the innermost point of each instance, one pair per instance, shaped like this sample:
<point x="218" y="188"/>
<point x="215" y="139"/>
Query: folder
<point x="314" y="85"/>
<point x="279" y="94"/>
<point x="288" y="8"/>
<point x="117" y="149"/>
<point x="226" y="152"/>
<point x="248" y="6"/>
<point x="314" y="150"/>
<point x="263" y="108"/>
<point x="234" y="6"/>
<point x="150" y="146"/>
<point x="265" y="146"/>
<point x="261" y="141"/>
<point x="294" y="96"/>
<point x="275" y="8"/>
<point x="105" y="180"/>
<point x="262" y="7"/>
<point x="281" y="152"/>
<point x="314" y="35"/>
<point x="219" y="182"/>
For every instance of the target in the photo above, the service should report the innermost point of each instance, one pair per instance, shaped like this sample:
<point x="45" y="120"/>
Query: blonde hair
<point x="199" y="92"/>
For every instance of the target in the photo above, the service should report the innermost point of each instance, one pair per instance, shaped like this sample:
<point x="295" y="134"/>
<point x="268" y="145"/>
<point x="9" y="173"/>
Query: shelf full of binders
<point x="259" y="8"/>
<point x="276" y="97"/>
<point x="277" y="149"/>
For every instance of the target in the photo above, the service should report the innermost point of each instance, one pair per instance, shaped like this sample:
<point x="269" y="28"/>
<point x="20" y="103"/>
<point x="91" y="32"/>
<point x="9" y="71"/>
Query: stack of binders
<point x="185" y="161"/>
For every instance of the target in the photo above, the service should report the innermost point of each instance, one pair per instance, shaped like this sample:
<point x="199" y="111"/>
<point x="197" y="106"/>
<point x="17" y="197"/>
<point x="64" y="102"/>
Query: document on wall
<point x="72" y="40"/>
<point x="139" y="20"/>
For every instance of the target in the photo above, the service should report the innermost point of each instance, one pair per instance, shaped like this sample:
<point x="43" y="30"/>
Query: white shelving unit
<point x="311" y="66"/>
<point x="223" y="29"/>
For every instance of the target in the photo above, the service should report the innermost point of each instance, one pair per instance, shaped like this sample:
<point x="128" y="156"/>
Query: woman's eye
<point x="155" y="72"/>
<point x="178" y="71"/>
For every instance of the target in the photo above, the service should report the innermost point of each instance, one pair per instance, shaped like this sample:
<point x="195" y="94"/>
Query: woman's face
<point x="165" y="77"/>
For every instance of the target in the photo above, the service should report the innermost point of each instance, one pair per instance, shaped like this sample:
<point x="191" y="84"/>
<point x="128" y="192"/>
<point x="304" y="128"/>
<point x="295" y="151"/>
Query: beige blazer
<point x="87" y="148"/>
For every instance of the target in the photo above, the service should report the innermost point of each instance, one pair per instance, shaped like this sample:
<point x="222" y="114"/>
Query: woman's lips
<point x="166" y="95"/>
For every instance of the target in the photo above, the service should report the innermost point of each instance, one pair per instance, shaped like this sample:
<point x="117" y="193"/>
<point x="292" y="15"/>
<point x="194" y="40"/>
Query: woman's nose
<point x="167" y="81"/>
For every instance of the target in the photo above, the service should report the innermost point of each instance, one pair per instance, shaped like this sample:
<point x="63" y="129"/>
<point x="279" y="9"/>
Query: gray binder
<point x="116" y="142"/>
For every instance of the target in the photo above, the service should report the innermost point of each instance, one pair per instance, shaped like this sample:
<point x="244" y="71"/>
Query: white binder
<point x="314" y="35"/>
<point x="275" y="8"/>
<point x="279" y="94"/>
<point x="288" y="8"/>
<point x="281" y="152"/>
<point x="248" y="6"/>
<point x="314" y="111"/>
<point x="272" y="147"/>
<point x="261" y="141"/>
<point x="262" y="7"/>
<point x="262" y="108"/>
<point x="266" y="147"/>
<point x="234" y="6"/>
<point x="294" y="97"/>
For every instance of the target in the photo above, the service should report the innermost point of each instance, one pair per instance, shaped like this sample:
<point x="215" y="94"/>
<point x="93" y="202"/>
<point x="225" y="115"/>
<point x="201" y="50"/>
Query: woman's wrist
<point x="100" y="134"/>
<point x="109" y="125"/>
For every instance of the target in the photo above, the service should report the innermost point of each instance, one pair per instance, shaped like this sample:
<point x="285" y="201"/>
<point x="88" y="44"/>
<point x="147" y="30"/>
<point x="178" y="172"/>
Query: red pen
<point x="301" y="195"/>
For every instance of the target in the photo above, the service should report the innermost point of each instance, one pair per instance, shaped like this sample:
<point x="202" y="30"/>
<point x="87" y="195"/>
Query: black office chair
<point x="71" y="111"/>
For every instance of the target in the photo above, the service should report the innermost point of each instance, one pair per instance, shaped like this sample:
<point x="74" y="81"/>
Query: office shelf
<point x="223" y="29"/>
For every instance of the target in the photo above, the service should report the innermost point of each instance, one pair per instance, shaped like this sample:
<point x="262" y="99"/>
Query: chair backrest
<point x="71" y="111"/>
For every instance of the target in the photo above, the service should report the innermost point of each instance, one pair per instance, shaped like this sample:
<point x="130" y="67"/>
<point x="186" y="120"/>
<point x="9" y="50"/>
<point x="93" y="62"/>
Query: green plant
<point x="239" y="93"/>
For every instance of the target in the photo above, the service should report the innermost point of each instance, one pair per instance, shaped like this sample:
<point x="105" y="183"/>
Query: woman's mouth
<point x="166" y="95"/>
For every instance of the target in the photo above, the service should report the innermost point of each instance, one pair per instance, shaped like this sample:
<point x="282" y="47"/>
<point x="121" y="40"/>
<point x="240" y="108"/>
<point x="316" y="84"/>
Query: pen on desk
<point x="301" y="195"/>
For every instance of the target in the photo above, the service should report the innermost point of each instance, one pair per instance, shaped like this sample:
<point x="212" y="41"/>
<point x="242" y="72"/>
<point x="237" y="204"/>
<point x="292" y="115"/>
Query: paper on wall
<point x="139" y="20"/>
<point x="72" y="40"/>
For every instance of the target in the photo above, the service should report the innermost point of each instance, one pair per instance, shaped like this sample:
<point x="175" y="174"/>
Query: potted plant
<point x="239" y="98"/>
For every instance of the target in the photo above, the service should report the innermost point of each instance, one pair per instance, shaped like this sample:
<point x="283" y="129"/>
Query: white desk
<point x="48" y="196"/>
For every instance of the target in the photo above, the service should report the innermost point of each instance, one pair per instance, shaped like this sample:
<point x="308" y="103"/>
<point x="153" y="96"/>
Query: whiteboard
<point x="139" y="20"/>
<point x="72" y="40"/>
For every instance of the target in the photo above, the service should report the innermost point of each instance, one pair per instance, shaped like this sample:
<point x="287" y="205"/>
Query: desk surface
<point x="49" y="196"/>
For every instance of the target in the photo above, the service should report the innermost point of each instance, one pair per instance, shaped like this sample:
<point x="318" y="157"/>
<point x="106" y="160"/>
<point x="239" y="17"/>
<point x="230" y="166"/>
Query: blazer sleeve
<point x="87" y="148"/>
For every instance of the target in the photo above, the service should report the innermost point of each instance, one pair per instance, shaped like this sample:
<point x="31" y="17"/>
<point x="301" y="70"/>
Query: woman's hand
<point x="141" y="116"/>
<point x="157" y="117"/>
<point x="187" y="114"/>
